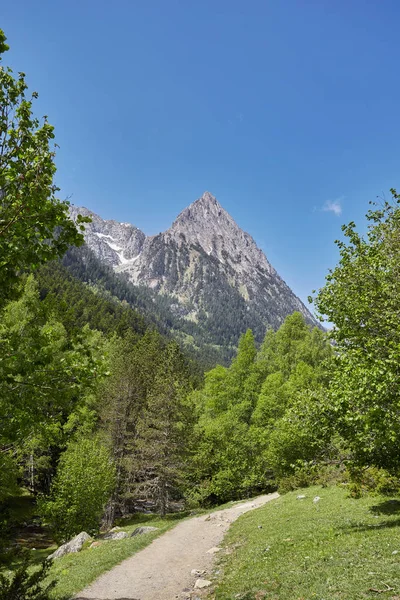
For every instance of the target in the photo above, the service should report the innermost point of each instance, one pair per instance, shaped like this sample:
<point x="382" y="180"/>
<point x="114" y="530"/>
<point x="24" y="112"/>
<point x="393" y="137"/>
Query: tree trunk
<point x="163" y="497"/>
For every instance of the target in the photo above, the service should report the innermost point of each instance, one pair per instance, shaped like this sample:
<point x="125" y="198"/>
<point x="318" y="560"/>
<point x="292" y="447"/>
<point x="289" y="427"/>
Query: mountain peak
<point x="205" y="262"/>
<point x="200" y="211"/>
<point x="207" y="198"/>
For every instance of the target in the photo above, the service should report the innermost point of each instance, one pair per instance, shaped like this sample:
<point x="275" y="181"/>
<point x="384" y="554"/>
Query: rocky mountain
<point x="212" y="270"/>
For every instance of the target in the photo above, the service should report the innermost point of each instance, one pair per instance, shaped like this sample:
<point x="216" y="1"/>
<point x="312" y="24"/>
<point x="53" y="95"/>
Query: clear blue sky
<point x="280" y="109"/>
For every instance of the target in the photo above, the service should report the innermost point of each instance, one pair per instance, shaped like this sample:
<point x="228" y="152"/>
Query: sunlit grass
<point x="294" y="549"/>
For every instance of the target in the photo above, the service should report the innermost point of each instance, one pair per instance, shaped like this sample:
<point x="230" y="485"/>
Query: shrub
<point x="27" y="586"/>
<point x="372" y="480"/>
<point x="82" y="486"/>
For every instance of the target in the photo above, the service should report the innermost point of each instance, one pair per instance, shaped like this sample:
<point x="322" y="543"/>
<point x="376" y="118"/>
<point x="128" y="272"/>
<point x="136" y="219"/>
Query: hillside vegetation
<point x="295" y="549"/>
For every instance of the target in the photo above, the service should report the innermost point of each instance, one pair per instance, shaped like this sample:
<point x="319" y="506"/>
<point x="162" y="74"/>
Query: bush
<point x="25" y="586"/>
<point x="306" y="474"/>
<point x="82" y="486"/>
<point x="372" y="480"/>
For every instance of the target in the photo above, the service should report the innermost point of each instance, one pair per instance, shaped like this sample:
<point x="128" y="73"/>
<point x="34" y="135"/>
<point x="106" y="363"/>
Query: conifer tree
<point x="164" y="430"/>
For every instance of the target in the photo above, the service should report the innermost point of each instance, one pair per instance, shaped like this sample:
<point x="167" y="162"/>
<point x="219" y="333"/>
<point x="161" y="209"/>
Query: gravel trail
<point x="163" y="570"/>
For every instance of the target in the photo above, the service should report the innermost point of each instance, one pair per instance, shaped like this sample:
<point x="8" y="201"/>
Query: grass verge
<point x="294" y="549"/>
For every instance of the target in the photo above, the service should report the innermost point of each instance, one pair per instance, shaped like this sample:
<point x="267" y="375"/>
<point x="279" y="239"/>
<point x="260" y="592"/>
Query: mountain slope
<point x="212" y="270"/>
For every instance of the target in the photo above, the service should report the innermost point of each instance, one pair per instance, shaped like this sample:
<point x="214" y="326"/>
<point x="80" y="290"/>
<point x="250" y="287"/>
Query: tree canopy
<point x="34" y="224"/>
<point x="361" y="298"/>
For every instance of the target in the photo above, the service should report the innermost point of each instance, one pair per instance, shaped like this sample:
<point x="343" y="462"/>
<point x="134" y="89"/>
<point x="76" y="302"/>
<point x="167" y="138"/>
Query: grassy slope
<point x="335" y="548"/>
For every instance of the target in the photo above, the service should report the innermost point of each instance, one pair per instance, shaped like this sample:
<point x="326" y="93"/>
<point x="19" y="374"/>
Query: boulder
<point x="73" y="545"/>
<point x="140" y="530"/>
<point x="115" y="535"/>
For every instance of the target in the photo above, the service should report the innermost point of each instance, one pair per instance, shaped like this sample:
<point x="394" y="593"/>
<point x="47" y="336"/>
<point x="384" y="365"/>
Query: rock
<point x="196" y="572"/>
<point x="141" y="530"/>
<point x="115" y="535"/>
<point x="95" y="544"/>
<point x="213" y="550"/>
<point x="300" y="497"/>
<point x="73" y="545"/>
<point x="202" y="583"/>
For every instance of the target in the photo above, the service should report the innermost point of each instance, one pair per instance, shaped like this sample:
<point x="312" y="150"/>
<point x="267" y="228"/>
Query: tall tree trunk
<point x="32" y="473"/>
<point x="163" y="496"/>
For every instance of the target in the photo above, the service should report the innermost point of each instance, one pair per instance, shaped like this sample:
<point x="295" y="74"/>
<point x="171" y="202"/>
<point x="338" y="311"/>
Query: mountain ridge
<point x="202" y="260"/>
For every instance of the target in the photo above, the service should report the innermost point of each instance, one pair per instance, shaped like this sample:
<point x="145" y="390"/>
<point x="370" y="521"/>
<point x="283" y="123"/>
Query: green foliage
<point x="34" y="225"/>
<point x="8" y="475"/>
<point x="372" y="480"/>
<point x="81" y="488"/>
<point x="361" y="298"/>
<point x="77" y="304"/>
<point x="43" y="371"/>
<point x="26" y="585"/>
<point x="259" y="417"/>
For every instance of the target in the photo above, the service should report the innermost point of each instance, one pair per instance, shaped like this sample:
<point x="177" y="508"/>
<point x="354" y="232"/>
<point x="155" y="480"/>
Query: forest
<point x="104" y="408"/>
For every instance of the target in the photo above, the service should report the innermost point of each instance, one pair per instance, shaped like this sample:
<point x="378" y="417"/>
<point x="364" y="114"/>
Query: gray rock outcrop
<point x="115" y="535"/>
<point x="74" y="545"/>
<point x="141" y="530"/>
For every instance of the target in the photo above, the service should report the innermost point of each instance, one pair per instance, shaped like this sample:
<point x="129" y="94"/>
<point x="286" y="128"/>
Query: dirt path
<point x="162" y="570"/>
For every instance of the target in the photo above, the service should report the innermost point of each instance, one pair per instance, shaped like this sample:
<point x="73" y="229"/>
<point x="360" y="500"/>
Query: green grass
<point x="337" y="548"/>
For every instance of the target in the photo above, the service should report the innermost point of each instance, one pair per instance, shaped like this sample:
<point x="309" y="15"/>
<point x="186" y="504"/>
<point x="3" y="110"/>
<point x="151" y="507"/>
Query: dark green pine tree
<point x="123" y="399"/>
<point x="164" y="431"/>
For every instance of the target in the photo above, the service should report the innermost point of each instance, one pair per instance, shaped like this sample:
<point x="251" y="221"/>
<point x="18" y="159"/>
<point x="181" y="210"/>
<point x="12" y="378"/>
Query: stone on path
<point x="213" y="550"/>
<point x="73" y="545"/>
<point x="202" y="583"/>
<point x="197" y="572"/>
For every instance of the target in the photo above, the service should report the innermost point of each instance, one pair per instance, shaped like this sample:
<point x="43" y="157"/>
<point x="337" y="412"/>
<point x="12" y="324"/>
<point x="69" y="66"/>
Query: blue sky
<point x="288" y="112"/>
